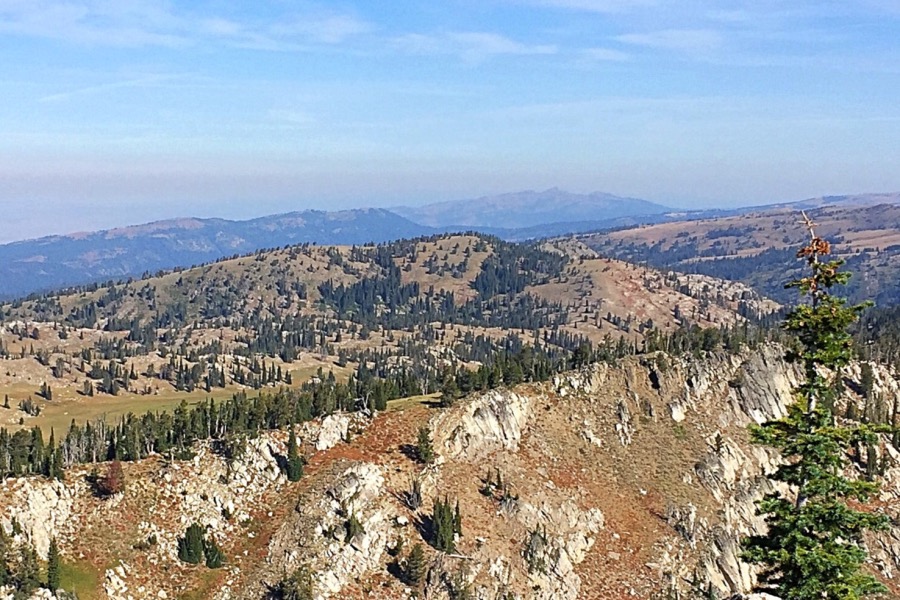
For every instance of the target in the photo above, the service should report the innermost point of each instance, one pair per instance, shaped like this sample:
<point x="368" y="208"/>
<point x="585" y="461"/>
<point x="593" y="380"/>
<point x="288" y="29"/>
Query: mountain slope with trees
<point x="757" y="248"/>
<point x="470" y="310"/>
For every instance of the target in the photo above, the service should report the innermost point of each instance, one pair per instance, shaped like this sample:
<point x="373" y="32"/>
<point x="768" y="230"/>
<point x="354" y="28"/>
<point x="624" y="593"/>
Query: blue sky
<point x="122" y="111"/>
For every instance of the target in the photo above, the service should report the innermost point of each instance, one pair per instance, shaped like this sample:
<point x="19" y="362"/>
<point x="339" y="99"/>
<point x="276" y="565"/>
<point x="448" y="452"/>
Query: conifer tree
<point x="4" y="557"/>
<point x="444" y="526"/>
<point x="215" y="558"/>
<point x="813" y="547"/>
<point x="27" y="576"/>
<point x="449" y="389"/>
<point x="294" y="467"/>
<point x="424" y="447"/>
<point x="53" y="566"/>
<point x="190" y="547"/>
<point x="414" y="569"/>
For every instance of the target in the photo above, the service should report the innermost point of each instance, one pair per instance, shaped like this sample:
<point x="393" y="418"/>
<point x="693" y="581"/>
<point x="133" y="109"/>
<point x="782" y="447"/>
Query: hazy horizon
<point x="102" y="218"/>
<point x="120" y="113"/>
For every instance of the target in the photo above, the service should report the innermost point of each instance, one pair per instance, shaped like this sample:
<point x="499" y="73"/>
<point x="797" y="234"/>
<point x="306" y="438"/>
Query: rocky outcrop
<point x="320" y="539"/>
<point x="219" y="493"/>
<point x="473" y="429"/>
<point x="8" y="593"/>
<point x="42" y="510"/>
<point x="665" y="435"/>
<point x="560" y="536"/>
<point x="332" y="431"/>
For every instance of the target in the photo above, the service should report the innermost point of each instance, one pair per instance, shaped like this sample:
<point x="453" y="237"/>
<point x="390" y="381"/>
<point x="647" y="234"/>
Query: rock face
<point x="566" y="534"/>
<point x="640" y="473"/>
<point x="333" y="431"/>
<point x="319" y="539"/>
<point x="41" y="508"/>
<point x="492" y="421"/>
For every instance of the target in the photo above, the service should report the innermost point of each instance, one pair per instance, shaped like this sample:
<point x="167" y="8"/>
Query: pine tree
<point x="414" y="569"/>
<point x="215" y="558"/>
<point x="27" y="576"/>
<point x="53" y="566"/>
<point x="449" y="389"/>
<point x="4" y="557"/>
<point x="424" y="447"/>
<point x="190" y="547"/>
<point x="813" y="547"/>
<point x="294" y="467"/>
<point x="443" y="526"/>
<point x="56" y="470"/>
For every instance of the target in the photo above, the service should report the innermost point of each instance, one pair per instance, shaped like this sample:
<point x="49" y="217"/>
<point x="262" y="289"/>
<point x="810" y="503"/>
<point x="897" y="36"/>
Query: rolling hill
<point x="66" y="260"/>
<point x="631" y="475"/>
<point x="53" y="262"/>
<point x="426" y="304"/>
<point x="758" y="247"/>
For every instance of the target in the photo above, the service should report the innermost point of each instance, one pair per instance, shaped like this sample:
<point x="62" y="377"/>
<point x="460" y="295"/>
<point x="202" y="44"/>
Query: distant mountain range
<point x="66" y="260"/>
<point x="530" y="209"/>
<point x="75" y="259"/>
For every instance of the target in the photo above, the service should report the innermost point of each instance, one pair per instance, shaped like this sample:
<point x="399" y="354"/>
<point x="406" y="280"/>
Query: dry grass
<point x="859" y="227"/>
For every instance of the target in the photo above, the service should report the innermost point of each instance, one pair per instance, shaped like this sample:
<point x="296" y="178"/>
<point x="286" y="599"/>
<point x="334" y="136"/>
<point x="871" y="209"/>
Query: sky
<point x="122" y="111"/>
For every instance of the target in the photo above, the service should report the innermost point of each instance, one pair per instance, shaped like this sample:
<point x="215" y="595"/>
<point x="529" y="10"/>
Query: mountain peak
<point x="529" y="208"/>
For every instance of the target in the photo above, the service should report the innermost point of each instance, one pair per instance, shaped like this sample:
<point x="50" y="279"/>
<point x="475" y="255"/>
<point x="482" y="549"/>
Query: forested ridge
<point x="442" y="315"/>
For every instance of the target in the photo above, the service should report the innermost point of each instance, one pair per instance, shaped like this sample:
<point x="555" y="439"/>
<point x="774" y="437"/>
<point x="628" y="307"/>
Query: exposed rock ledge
<point x="492" y="421"/>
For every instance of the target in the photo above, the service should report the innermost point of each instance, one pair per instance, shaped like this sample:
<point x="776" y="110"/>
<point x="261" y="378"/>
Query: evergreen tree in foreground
<point x="53" y="566"/>
<point x="191" y="546"/>
<point x="813" y="547"/>
<point x="424" y="446"/>
<point x="294" y="468"/>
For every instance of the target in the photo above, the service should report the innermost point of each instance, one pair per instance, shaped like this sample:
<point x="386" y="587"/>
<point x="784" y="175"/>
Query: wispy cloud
<point x="126" y="24"/>
<point x="330" y="29"/>
<point x="148" y="81"/>
<point x="137" y="23"/>
<point x="687" y="40"/>
<point x="471" y="46"/>
<point x="295" y="33"/>
<point x="292" y="117"/>
<point x="604" y="55"/>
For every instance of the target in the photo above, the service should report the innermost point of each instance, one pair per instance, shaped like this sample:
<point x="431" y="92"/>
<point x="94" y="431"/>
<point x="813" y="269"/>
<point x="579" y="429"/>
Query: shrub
<point x="297" y="586"/>
<point x="215" y="558"/>
<point x="114" y="481"/>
